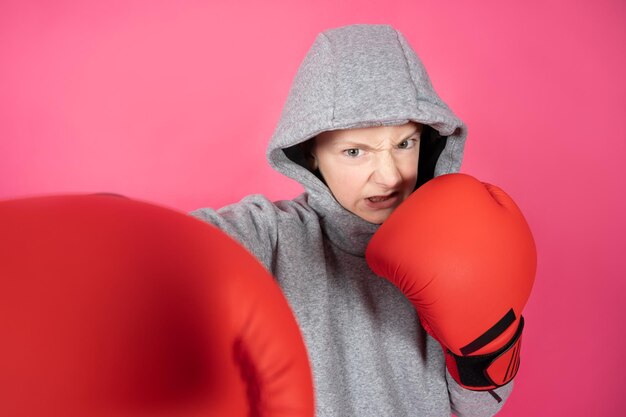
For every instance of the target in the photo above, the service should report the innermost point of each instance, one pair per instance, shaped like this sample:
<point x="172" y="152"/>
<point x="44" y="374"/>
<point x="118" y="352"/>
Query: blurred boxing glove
<point x="113" y="307"/>
<point x="463" y="254"/>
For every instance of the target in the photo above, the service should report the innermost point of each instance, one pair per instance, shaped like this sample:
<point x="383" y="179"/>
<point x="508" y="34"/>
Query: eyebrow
<point x="417" y="130"/>
<point x="357" y="143"/>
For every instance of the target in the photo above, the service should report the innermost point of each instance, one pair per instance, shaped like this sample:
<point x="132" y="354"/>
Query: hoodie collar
<point x="344" y="229"/>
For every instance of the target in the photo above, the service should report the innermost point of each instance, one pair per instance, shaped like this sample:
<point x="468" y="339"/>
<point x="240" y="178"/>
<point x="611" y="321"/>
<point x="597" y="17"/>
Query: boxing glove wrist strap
<point x="486" y="372"/>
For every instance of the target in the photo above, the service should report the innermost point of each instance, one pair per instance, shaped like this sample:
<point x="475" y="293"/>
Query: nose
<point x="386" y="172"/>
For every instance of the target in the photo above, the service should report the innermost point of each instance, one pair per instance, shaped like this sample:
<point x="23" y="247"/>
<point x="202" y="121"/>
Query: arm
<point x="468" y="403"/>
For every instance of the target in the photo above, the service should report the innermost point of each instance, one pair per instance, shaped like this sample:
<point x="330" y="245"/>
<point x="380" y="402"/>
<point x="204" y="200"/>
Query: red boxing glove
<point x="463" y="254"/>
<point x="113" y="307"/>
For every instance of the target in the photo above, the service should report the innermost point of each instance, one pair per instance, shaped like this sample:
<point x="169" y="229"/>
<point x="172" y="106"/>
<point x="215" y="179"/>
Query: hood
<point x="360" y="76"/>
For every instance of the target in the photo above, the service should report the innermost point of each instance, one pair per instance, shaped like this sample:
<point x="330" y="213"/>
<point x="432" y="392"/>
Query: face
<point x="370" y="171"/>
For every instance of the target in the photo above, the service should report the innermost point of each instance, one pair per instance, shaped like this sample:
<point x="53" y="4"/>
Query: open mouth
<point x="381" y="198"/>
<point x="383" y="202"/>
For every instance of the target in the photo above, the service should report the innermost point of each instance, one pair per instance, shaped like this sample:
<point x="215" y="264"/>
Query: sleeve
<point x="468" y="403"/>
<point x="253" y="222"/>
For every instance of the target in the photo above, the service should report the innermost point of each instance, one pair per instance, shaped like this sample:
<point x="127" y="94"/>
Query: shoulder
<point x="258" y="205"/>
<point x="257" y="222"/>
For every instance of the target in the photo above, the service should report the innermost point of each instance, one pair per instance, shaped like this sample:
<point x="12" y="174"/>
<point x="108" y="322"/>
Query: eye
<point x="407" y="144"/>
<point x="354" y="152"/>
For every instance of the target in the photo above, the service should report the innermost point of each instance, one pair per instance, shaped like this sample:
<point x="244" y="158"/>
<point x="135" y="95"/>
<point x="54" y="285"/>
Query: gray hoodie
<point x="369" y="354"/>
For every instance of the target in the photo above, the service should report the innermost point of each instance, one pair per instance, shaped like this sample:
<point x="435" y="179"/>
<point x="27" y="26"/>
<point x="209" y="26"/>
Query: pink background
<point x="174" y="101"/>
